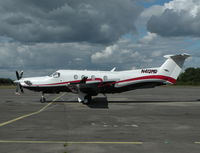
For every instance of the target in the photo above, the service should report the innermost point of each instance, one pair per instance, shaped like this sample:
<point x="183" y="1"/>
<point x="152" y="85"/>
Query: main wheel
<point x="87" y="99"/>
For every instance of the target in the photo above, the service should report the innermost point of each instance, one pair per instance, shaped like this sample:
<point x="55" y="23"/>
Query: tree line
<point x="191" y="76"/>
<point x="6" y="81"/>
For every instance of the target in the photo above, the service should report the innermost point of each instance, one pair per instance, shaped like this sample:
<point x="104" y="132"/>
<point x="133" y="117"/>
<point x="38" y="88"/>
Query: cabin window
<point x="93" y="77"/>
<point x="75" y="77"/>
<point x="105" y="78"/>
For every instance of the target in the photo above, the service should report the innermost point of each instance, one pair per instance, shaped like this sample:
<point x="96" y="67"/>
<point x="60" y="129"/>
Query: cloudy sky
<point x="40" y="37"/>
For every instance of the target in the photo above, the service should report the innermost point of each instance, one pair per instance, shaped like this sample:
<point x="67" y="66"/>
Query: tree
<point x="6" y="81"/>
<point x="191" y="76"/>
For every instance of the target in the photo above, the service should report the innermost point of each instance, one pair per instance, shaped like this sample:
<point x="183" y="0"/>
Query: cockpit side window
<point x="55" y="75"/>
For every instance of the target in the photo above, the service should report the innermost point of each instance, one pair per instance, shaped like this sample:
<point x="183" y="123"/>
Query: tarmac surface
<point x="157" y="120"/>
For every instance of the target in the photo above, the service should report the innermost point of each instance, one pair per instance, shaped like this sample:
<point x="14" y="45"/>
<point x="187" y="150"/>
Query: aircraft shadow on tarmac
<point x="101" y="102"/>
<point x="96" y="103"/>
<point x="155" y="101"/>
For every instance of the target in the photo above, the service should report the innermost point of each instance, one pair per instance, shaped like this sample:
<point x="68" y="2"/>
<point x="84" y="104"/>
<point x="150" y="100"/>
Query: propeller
<point x="19" y="75"/>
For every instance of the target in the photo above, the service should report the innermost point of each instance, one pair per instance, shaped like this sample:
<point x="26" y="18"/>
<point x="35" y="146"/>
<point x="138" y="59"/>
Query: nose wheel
<point x="42" y="99"/>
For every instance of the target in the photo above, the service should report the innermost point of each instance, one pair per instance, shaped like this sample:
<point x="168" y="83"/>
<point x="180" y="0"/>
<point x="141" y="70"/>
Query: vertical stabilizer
<point x="173" y="65"/>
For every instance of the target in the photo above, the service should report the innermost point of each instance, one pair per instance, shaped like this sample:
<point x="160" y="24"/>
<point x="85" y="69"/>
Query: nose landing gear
<point x="42" y="99"/>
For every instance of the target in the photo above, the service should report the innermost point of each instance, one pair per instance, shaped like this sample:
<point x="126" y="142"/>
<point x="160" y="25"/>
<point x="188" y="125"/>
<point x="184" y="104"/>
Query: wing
<point x="75" y="87"/>
<point x="91" y="88"/>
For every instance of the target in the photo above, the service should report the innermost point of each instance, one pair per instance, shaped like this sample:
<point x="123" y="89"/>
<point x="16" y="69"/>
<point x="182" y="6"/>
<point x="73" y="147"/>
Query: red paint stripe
<point x="161" y="77"/>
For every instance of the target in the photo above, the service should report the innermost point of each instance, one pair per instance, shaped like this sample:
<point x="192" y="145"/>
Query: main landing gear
<point x="42" y="99"/>
<point x="84" y="98"/>
<point x="87" y="99"/>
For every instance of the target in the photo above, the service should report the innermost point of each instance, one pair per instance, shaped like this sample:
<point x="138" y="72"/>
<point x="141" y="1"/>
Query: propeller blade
<point x="21" y="89"/>
<point x="21" y="74"/>
<point x="17" y="75"/>
<point x="18" y="85"/>
<point x="17" y="88"/>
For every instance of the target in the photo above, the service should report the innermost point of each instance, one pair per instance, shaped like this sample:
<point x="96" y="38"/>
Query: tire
<point x="42" y="100"/>
<point x="88" y="98"/>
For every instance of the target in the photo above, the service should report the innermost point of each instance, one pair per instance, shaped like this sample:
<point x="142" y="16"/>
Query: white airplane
<point x="91" y="83"/>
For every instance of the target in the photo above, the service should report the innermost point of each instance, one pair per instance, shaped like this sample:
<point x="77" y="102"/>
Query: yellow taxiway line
<point x="31" y="114"/>
<point x="70" y="142"/>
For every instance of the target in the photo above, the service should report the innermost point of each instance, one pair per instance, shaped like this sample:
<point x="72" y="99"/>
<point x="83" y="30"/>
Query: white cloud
<point x="156" y="53"/>
<point x="191" y="6"/>
<point x="118" y="53"/>
<point x="155" y="10"/>
<point x="178" y="18"/>
<point x="105" y="54"/>
<point x="148" y="38"/>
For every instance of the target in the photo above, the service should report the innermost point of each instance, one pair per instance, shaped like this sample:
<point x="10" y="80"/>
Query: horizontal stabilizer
<point x="184" y="55"/>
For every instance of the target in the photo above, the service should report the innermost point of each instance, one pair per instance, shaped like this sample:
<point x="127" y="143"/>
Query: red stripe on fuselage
<point x="161" y="77"/>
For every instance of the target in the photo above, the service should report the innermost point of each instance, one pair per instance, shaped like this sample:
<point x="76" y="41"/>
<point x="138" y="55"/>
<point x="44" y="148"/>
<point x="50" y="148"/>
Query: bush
<point x="191" y="76"/>
<point x="4" y="81"/>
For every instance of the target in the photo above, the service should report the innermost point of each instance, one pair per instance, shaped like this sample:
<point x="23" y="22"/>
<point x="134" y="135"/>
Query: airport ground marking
<point x="31" y="114"/>
<point x="70" y="142"/>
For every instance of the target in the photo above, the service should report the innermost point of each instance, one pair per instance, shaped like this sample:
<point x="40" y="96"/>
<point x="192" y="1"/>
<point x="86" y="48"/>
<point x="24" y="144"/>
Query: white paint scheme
<point x="165" y="74"/>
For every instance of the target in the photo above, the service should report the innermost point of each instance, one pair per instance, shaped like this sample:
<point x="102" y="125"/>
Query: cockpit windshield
<point x="55" y="75"/>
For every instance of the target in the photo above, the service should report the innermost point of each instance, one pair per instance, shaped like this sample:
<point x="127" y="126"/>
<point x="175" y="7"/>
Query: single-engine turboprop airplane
<point x="90" y="83"/>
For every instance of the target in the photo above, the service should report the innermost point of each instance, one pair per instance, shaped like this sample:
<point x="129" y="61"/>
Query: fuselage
<point x="106" y="81"/>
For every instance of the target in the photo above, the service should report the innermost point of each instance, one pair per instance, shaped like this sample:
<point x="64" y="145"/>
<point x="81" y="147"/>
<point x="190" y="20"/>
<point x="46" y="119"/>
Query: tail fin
<point x="173" y="65"/>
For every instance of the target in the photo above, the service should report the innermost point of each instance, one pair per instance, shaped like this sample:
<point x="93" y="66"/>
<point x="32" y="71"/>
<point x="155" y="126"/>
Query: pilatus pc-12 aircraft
<point x="91" y="83"/>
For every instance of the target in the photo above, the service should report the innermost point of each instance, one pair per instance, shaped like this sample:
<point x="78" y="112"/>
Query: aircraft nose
<point x="16" y="81"/>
